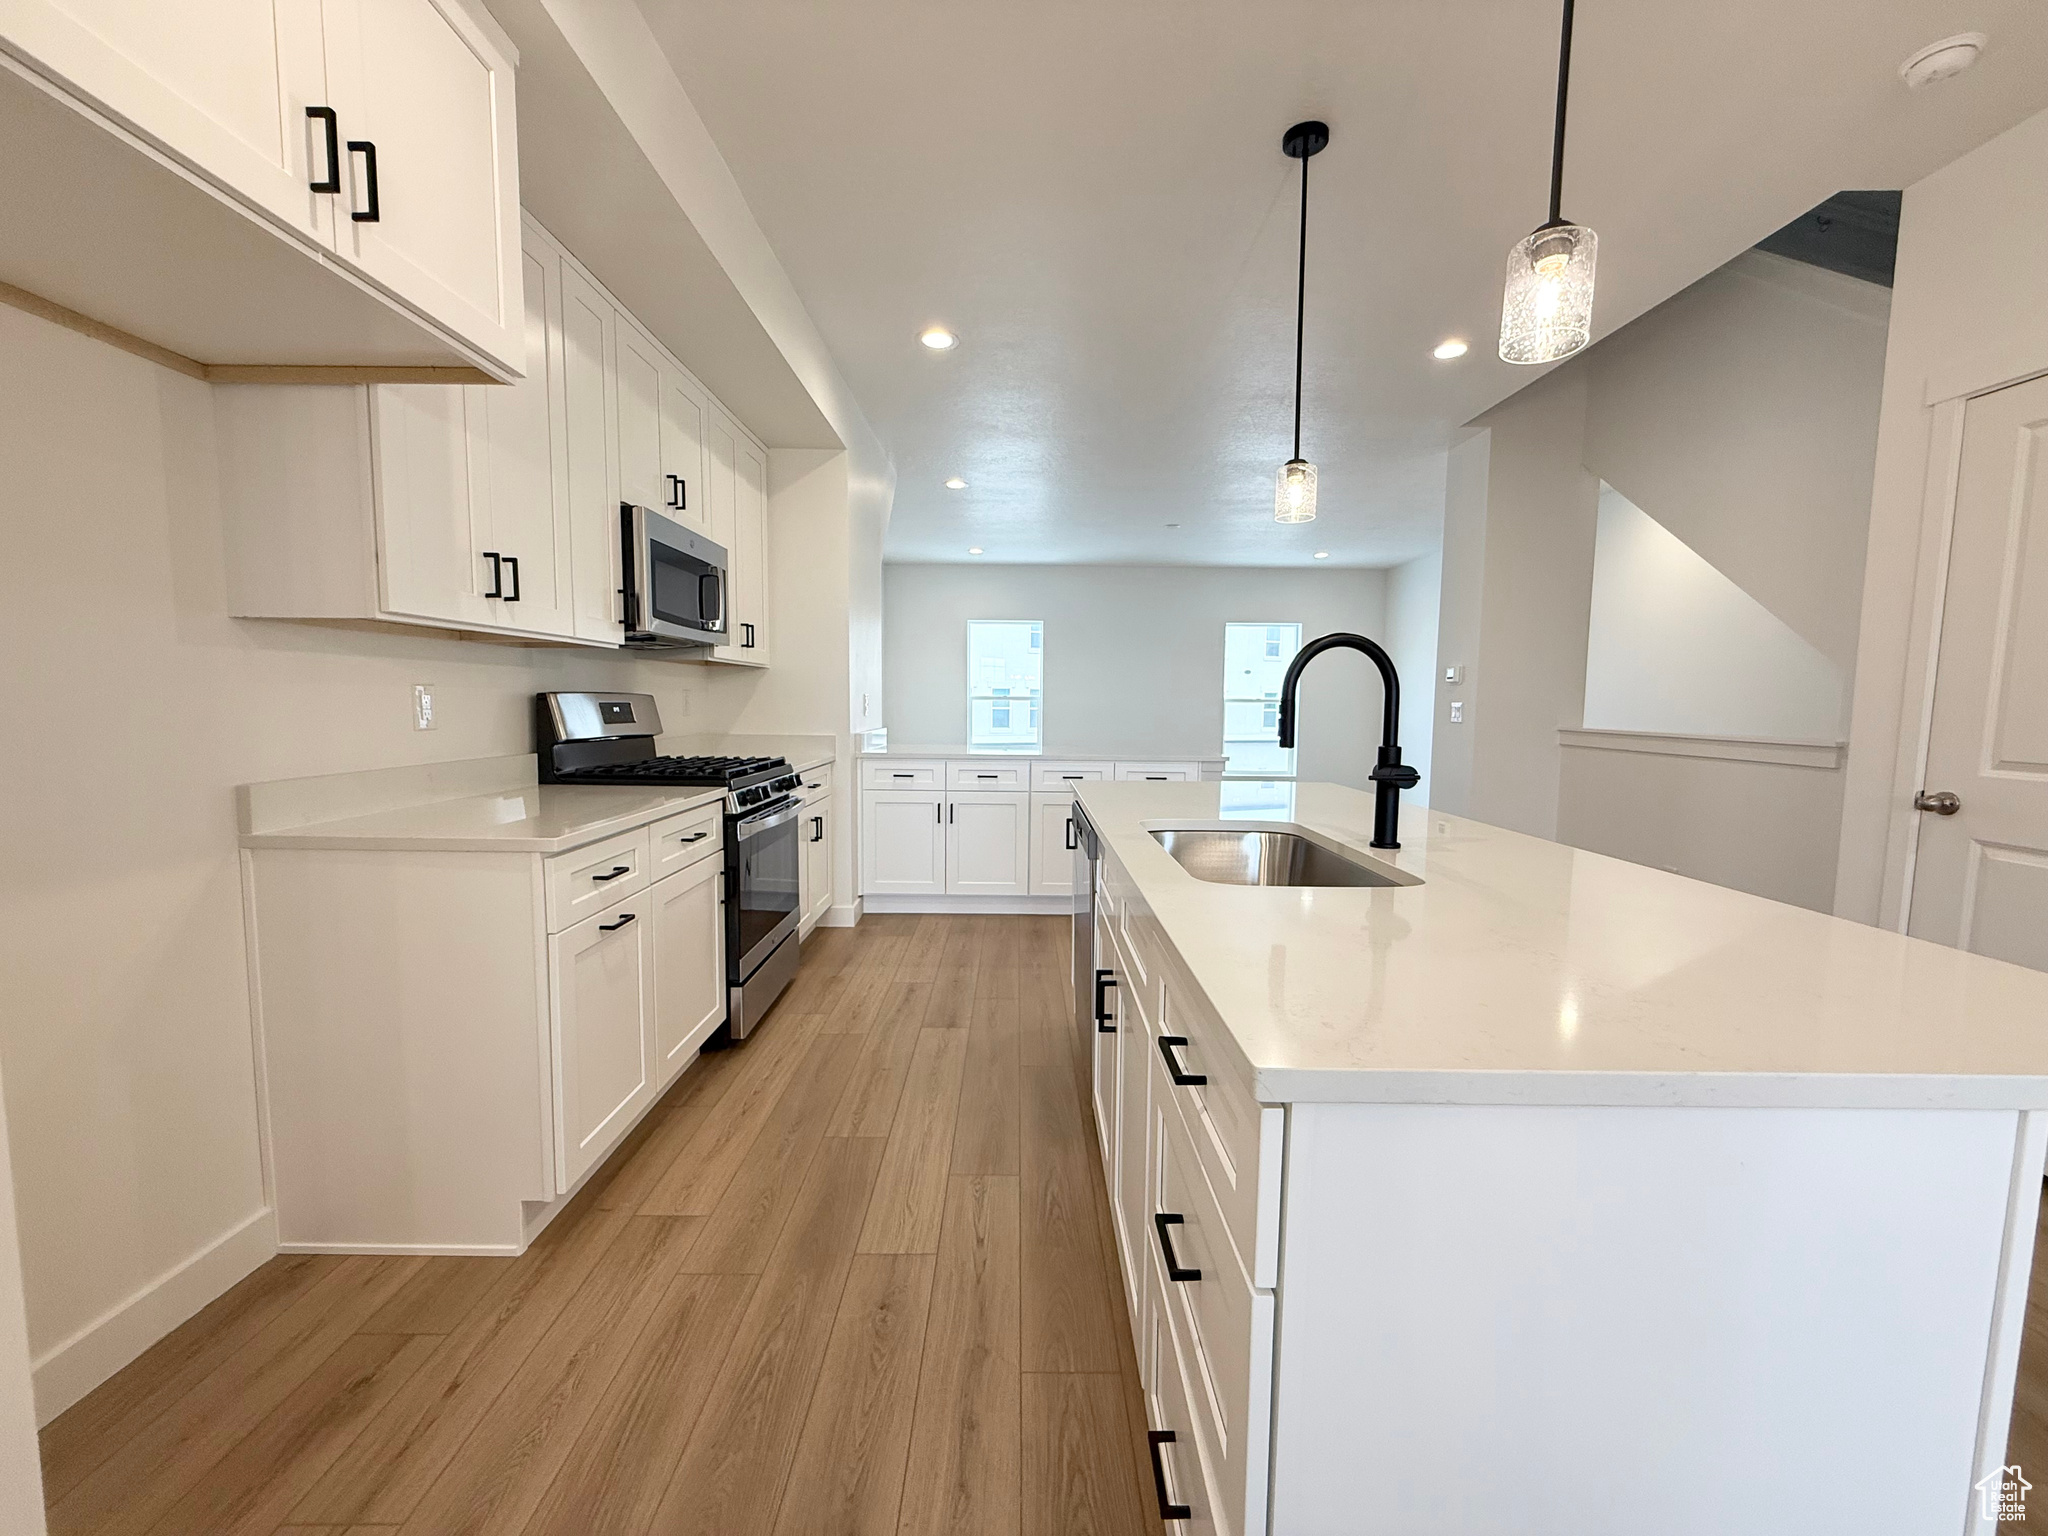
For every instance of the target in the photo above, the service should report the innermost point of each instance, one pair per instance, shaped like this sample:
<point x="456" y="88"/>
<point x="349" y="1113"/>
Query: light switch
<point x="1457" y="711"/>
<point x="1454" y="674"/>
<point x="423" y="706"/>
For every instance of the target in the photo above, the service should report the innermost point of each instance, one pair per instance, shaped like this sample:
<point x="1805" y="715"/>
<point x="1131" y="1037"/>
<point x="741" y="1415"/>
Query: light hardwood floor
<point x="854" y="1276"/>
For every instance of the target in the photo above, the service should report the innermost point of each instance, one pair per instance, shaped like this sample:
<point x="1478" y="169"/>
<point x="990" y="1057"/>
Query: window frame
<point x="1269" y="702"/>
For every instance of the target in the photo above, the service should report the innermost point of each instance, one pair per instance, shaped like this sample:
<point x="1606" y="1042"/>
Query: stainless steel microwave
<point x="673" y="580"/>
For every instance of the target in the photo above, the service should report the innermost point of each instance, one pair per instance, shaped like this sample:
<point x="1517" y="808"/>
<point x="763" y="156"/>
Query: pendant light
<point x="1547" y="312"/>
<point x="1294" y="496"/>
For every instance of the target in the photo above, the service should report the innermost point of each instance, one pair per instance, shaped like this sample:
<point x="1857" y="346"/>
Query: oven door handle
<point x="767" y="821"/>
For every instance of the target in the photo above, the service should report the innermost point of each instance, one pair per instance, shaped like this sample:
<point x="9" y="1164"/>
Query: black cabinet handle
<point x="1168" y="1510"/>
<point x="902" y="775"/>
<point x="332" y="128"/>
<point x="1071" y="844"/>
<point x="817" y="829"/>
<point x="513" y="562"/>
<point x="1173" y="1068"/>
<point x="1104" y="980"/>
<point x="368" y="151"/>
<point x="497" y="573"/>
<point x="1160" y="1223"/>
<point x="623" y="869"/>
<point x="624" y="918"/>
<point x="748" y="643"/>
<point x="675" y="491"/>
<point x="694" y="837"/>
<point x="938" y="811"/>
<point x="988" y="775"/>
<point x="949" y="813"/>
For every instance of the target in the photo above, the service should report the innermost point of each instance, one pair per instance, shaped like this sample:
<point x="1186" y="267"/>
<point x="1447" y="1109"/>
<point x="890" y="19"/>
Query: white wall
<point x="1674" y="646"/>
<point x="1969" y="311"/>
<point x="1134" y="654"/>
<point x="1740" y="414"/>
<point x="1414" y="594"/>
<point x="21" y="1472"/>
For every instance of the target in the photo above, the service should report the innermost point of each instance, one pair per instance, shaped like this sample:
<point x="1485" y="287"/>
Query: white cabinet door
<point x="431" y="527"/>
<point x="689" y="963"/>
<point x="430" y="91"/>
<point x="1052" y="843"/>
<point x="903" y="842"/>
<point x="1102" y="1036"/>
<point x="749" y="576"/>
<point x="684" y="495"/>
<point x="988" y="844"/>
<point x="589" y="342"/>
<point x="640" y="370"/>
<point x="817" y="882"/>
<point x="225" y="94"/>
<point x="525" y="485"/>
<point x="1136" y="1128"/>
<point x="602" y="997"/>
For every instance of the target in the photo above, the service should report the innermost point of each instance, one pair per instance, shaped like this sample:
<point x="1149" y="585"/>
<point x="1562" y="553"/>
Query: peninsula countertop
<point x="1522" y="971"/>
<point x="535" y="818"/>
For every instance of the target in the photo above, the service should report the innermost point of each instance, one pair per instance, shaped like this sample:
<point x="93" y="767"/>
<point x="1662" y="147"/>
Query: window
<point x="1255" y="658"/>
<point x="1005" y="676"/>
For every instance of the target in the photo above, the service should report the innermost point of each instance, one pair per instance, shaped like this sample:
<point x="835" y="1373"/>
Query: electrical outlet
<point x="863" y="706"/>
<point x="423" y="706"/>
<point x="1457" y="711"/>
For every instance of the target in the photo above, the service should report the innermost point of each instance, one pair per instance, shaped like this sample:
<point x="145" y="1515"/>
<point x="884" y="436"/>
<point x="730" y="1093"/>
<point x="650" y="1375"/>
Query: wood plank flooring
<point x="851" y="1277"/>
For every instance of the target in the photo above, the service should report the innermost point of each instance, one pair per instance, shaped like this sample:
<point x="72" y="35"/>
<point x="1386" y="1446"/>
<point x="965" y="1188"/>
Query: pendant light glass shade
<point x="1547" y="312"/>
<point x="1294" y="497"/>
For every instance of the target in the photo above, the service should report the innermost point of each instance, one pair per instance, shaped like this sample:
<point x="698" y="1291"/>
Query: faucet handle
<point x="1400" y="775"/>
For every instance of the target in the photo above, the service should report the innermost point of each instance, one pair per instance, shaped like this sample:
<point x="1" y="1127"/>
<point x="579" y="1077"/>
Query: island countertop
<point x="1522" y="971"/>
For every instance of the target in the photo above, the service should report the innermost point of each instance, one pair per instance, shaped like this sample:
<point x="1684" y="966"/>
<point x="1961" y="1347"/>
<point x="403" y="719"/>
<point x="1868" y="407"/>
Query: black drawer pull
<point x="331" y="126"/>
<point x="1160" y="1223"/>
<point x="694" y="837"/>
<point x="1168" y="1510"/>
<point x="1104" y="980"/>
<point x="368" y="151"/>
<point x="622" y="869"/>
<point x="1173" y="1068"/>
<point x="497" y="573"/>
<point x="624" y="918"/>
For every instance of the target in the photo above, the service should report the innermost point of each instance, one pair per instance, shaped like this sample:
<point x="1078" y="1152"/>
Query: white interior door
<point x="602" y="998"/>
<point x="589" y="363"/>
<point x="225" y="93"/>
<point x="689" y="962"/>
<point x="903" y="842"/>
<point x="1981" y="874"/>
<point x="988" y="844"/>
<point x="427" y="87"/>
<point x="526" y="480"/>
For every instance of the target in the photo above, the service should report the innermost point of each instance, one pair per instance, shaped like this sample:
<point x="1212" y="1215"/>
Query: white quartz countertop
<point x="1524" y="971"/>
<point x="957" y="750"/>
<point x="539" y="818"/>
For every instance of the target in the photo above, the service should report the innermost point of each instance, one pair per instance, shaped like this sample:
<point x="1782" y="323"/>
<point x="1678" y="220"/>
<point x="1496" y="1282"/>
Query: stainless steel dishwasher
<point x="1087" y="871"/>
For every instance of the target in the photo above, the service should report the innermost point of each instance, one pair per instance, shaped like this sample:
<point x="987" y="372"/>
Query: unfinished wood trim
<point x="236" y="373"/>
<point x="85" y="325"/>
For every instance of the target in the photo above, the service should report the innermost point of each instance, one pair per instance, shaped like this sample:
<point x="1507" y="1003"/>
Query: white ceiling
<point x="1092" y="193"/>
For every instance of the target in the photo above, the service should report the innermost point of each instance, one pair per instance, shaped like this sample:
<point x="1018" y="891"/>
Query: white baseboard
<point x="841" y="917"/>
<point x="72" y="1368"/>
<point x="1059" y="906"/>
<point x="453" y="1250"/>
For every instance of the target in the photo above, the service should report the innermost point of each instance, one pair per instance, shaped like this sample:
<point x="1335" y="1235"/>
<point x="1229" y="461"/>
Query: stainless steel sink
<point x="1229" y="856"/>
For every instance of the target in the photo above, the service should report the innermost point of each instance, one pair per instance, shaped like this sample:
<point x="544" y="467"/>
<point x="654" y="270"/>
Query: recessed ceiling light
<point x="956" y="484"/>
<point x="939" y="339"/>
<point x="1446" y="350"/>
<point x="1939" y="61"/>
<point x="1322" y="554"/>
<point x="975" y="551"/>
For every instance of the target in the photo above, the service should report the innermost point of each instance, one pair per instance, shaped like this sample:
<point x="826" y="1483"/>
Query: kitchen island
<point x="1545" y="1192"/>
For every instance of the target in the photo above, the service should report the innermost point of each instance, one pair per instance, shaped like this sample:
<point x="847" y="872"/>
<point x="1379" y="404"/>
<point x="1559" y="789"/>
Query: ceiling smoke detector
<point x="1938" y="61"/>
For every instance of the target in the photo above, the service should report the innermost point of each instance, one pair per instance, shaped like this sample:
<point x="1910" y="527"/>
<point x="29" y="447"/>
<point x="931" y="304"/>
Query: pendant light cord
<point x="1301" y="297"/>
<point x="1564" y="81"/>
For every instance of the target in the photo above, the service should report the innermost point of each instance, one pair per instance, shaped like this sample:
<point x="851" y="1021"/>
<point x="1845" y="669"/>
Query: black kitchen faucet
<point x="1390" y="775"/>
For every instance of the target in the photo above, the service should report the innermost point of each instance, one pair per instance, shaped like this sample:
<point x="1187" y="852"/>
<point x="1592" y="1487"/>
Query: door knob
<point x="1941" y="802"/>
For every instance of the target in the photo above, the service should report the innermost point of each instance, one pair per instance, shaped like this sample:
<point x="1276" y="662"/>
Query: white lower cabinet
<point x="988" y="844"/>
<point x="687" y="911"/>
<point x="817" y="863"/>
<point x="602" y="987"/>
<point x="1052" y="843"/>
<point x="903" y="842"/>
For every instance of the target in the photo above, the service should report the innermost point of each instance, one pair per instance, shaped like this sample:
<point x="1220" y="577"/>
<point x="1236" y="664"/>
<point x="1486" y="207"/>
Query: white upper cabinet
<point x="749" y="555"/>
<point x="430" y="199"/>
<point x="228" y="98"/>
<point x="682" y="452"/>
<point x="430" y="536"/>
<point x="590" y="351"/>
<point x="378" y="133"/>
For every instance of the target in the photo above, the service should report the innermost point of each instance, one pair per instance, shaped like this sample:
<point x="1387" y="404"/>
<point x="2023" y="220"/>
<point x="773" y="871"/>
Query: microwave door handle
<point x="711" y="599"/>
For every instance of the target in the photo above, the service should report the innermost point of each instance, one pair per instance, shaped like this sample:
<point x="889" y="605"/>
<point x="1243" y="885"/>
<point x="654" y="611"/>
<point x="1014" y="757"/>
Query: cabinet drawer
<point x="988" y="775"/>
<point x="588" y="880"/>
<point x="1235" y="1139"/>
<point x="1158" y="773"/>
<point x="1067" y="775"/>
<point x="1179" y="1473"/>
<point x="1222" y="1327"/>
<point x="681" y="841"/>
<point x="817" y="784"/>
<point x="901" y="775"/>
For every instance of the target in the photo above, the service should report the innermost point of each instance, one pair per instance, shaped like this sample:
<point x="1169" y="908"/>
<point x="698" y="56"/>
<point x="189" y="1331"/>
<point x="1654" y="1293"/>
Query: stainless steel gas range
<point x="608" y="738"/>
